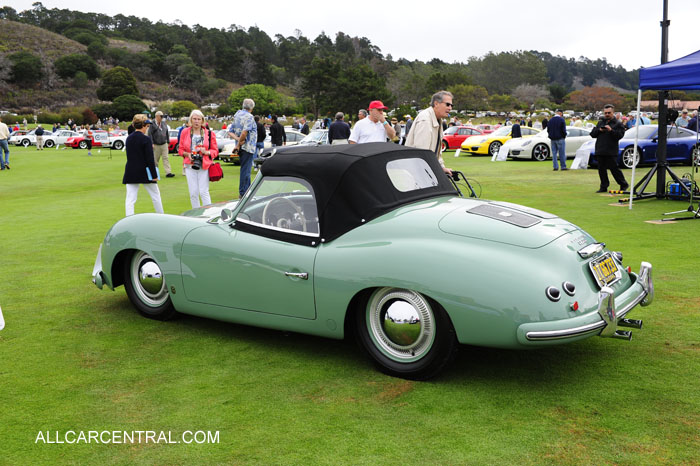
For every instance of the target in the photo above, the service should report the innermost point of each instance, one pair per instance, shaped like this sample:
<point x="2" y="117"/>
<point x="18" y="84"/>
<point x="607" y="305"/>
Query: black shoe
<point x="7" y="166"/>
<point x="625" y="187"/>
<point x="169" y="175"/>
<point x="555" y="169"/>
<point x="601" y="190"/>
<point x="564" y="169"/>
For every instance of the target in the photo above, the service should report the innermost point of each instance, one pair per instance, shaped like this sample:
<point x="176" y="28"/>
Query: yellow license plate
<point x="605" y="270"/>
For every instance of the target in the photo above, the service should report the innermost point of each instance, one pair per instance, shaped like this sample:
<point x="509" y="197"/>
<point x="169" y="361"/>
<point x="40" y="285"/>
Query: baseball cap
<point x="378" y="104"/>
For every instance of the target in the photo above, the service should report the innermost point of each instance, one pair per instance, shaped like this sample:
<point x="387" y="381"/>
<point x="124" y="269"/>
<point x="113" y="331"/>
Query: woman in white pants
<point x="139" y="164"/>
<point x="198" y="142"/>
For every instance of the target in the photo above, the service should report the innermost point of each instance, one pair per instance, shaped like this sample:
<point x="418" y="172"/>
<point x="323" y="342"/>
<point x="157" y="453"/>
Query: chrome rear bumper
<point x="609" y="317"/>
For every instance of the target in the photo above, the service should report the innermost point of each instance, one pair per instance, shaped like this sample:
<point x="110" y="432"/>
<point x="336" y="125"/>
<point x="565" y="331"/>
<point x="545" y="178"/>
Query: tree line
<point x="319" y="76"/>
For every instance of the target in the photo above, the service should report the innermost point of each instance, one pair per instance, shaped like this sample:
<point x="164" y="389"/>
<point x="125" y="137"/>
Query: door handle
<point x="301" y="275"/>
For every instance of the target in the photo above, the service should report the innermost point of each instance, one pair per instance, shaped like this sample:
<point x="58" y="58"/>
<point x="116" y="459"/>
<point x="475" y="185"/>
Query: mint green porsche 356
<point x="375" y="241"/>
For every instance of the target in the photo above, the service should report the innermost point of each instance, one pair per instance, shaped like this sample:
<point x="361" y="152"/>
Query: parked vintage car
<point x="681" y="147"/>
<point x="404" y="263"/>
<point x="490" y="144"/>
<point x="99" y="138"/>
<point x="63" y="135"/>
<point x="316" y="137"/>
<point x="539" y="146"/>
<point x="454" y="136"/>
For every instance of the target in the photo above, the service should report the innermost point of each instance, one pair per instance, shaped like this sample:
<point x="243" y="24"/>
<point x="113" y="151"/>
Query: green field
<point x="75" y="358"/>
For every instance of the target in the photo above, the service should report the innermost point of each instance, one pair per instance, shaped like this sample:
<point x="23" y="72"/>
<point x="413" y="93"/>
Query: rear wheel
<point x="628" y="158"/>
<point x="406" y="334"/>
<point x="118" y="145"/>
<point x="540" y="152"/>
<point x="494" y="147"/>
<point x="49" y="143"/>
<point x="695" y="160"/>
<point x="82" y="145"/>
<point x="445" y="146"/>
<point x="146" y="288"/>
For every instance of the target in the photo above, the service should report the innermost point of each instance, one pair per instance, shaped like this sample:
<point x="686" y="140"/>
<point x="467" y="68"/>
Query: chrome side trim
<point x="283" y="230"/>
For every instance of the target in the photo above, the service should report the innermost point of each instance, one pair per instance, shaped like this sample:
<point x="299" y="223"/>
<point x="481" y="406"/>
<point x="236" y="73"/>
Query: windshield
<point x="314" y="137"/>
<point x="451" y="130"/>
<point x="502" y="131"/>
<point x="645" y="132"/>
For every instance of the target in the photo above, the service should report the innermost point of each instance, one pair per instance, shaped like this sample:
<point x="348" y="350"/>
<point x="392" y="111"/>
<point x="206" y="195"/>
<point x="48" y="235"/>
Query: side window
<point x="675" y="133"/>
<point x="284" y="204"/>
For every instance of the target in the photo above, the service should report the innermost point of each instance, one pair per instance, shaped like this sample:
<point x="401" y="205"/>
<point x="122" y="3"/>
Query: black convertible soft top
<point x="351" y="182"/>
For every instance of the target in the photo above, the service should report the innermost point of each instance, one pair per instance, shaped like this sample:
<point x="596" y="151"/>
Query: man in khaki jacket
<point x="426" y="131"/>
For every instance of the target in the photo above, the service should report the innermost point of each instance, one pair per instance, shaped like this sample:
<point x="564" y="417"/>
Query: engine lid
<point x="506" y="223"/>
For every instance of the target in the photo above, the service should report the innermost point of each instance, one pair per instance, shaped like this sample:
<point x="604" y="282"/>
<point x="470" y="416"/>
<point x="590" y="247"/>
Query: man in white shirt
<point x="374" y="128"/>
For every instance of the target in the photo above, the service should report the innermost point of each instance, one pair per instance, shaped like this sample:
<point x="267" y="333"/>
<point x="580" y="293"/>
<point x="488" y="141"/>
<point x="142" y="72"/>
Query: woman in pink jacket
<point x="198" y="147"/>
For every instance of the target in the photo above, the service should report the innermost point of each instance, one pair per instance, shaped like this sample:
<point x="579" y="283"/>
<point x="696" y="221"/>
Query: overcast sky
<point x="626" y="33"/>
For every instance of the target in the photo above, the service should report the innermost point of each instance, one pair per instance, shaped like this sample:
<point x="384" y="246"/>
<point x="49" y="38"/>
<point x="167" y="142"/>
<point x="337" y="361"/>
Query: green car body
<point x="473" y="271"/>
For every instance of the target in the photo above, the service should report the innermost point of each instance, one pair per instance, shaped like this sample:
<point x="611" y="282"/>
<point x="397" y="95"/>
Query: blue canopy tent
<point x="680" y="74"/>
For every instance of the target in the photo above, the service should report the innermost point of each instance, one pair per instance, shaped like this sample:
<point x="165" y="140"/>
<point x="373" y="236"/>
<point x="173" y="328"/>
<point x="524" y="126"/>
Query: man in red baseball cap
<point x="374" y="128"/>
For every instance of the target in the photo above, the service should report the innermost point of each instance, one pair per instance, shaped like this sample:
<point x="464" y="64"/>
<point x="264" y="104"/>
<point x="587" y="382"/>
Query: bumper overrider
<point x="97" y="277"/>
<point x="604" y="322"/>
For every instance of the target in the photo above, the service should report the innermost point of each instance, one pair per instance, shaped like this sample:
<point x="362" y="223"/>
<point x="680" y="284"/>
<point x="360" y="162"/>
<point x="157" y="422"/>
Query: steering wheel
<point x="288" y="222"/>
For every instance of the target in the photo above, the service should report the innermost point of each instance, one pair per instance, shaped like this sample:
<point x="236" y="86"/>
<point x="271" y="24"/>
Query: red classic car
<point x="454" y="135"/>
<point x="98" y="137"/>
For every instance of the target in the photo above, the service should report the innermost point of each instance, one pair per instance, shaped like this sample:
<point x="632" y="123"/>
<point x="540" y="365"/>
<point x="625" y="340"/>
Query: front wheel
<point x="26" y="142"/>
<point x="445" y="146"/>
<point x="494" y="147"/>
<point x="48" y="143"/>
<point x="146" y="288"/>
<point x="406" y="334"/>
<point x="118" y="145"/>
<point x="540" y="152"/>
<point x="628" y="158"/>
<point x="82" y="145"/>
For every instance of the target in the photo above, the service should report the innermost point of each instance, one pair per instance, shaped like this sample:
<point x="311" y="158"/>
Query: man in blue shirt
<point x="245" y="131"/>
<point x="556" y="129"/>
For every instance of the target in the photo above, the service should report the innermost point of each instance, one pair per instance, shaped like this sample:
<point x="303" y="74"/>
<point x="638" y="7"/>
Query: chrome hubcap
<point x="148" y="280"/>
<point x="401" y="324"/>
<point x="628" y="158"/>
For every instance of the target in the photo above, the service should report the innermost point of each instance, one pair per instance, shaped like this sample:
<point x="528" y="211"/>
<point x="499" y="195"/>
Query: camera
<point x="196" y="161"/>
<point x="196" y="158"/>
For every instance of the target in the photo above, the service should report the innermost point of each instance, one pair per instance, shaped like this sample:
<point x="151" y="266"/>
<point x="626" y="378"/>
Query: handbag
<point x="215" y="172"/>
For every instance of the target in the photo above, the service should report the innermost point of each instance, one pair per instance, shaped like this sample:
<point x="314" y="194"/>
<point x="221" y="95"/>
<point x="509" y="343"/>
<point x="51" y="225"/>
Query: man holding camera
<point x="608" y="133"/>
<point x="245" y="131"/>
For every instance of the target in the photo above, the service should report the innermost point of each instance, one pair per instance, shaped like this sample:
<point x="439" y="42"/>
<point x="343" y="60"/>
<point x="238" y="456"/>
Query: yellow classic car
<point x="489" y="144"/>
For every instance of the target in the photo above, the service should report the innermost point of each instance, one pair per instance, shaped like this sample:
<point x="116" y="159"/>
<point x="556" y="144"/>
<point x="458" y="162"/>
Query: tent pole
<point x="636" y="140"/>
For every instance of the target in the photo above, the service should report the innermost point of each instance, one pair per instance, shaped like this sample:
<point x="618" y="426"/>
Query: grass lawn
<point x="74" y="358"/>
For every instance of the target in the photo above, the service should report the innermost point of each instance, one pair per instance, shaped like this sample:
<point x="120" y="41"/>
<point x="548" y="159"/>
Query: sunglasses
<point x="449" y="104"/>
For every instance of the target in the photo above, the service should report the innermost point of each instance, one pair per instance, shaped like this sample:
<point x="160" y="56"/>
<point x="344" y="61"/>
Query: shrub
<point x="26" y="68"/>
<point x="68" y="65"/>
<point x="117" y="82"/>
<point x="126" y="106"/>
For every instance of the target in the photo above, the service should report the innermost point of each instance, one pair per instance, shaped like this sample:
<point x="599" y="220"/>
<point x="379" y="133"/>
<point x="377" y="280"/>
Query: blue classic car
<point x="680" y="148"/>
<point x="373" y="240"/>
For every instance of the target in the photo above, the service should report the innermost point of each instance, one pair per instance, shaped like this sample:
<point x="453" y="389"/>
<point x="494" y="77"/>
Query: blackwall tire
<point x="406" y="334"/>
<point x="118" y="145"/>
<point x="82" y="145"/>
<point x="540" y="152"/>
<point x="146" y="288"/>
<point x="627" y="157"/>
<point x="48" y="143"/>
<point x="495" y="147"/>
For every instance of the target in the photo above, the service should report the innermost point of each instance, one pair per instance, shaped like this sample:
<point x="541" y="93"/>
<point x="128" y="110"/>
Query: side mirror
<point x="226" y="215"/>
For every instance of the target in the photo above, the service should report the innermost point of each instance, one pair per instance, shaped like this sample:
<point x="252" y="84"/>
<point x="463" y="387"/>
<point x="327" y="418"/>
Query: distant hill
<point x="15" y="37"/>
